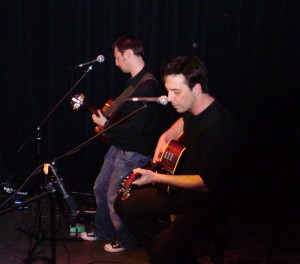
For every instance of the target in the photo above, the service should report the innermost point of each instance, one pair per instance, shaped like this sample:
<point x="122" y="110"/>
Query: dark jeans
<point x="196" y="220"/>
<point x="116" y="166"/>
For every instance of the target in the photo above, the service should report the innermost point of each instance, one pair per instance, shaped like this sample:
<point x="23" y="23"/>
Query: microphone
<point x="67" y="200"/>
<point x="163" y="100"/>
<point x="99" y="59"/>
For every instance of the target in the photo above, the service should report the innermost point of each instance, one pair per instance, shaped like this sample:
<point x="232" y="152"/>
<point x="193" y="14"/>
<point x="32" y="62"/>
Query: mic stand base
<point x="52" y="199"/>
<point x="40" y="234"/>
<point x="32" y="259"/>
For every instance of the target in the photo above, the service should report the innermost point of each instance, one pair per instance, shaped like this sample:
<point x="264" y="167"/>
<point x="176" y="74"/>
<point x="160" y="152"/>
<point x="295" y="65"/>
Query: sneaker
<point x="89" y="236"/>
<point x="113" y="247"/>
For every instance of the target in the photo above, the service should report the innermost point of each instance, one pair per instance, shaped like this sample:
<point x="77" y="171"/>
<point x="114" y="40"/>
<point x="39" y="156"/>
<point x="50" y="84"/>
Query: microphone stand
<point x="71" y="209"/>
<point x="38" y="137"/>
<point x="37" y="132"/>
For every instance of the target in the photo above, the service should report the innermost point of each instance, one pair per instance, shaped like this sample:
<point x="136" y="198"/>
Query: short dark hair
<point x="127" y="42"/>
<point x="191" y="67"/>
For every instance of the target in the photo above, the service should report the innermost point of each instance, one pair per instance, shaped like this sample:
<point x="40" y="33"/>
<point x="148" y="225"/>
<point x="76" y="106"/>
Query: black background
<point x="251" y="49"/>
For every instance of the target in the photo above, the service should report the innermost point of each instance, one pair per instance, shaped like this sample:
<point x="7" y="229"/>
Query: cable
<point x="36" y="171"/>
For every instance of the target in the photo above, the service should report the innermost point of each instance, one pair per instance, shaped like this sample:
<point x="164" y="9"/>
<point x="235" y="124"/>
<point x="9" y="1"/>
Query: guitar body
<point x="99" y="128"/>
<point x="172" y="154"/>
<point x="167" y="165"/>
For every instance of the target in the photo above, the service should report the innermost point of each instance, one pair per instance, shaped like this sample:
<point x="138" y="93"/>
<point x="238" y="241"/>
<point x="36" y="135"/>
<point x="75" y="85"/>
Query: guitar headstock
<point x="77" y="101"/>
<point x="127" y="185"/>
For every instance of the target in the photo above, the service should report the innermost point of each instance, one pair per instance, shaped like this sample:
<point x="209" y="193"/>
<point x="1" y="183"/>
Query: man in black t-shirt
<point x="200" y="195"/>
<point x="133" y="142"/>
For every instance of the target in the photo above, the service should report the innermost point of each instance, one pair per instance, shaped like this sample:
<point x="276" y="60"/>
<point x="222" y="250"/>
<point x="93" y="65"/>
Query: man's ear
<point x="197" y="89"/>
<point x="128" y="53"/>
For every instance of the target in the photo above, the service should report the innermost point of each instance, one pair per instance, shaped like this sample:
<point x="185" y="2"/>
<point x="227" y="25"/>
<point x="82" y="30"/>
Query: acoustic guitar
<point x="168" y="164"/>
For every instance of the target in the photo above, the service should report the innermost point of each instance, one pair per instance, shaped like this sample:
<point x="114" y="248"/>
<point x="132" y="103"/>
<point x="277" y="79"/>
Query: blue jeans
<point x="117" y="165"/>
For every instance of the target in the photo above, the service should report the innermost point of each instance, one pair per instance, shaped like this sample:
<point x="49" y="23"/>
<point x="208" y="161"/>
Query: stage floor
<point x="259" y="236"/>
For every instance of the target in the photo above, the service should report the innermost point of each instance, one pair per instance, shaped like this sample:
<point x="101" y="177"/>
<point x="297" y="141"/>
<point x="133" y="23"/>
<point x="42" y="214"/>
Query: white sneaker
<point x="89" y="236"/>
<point x="113" y="247"/>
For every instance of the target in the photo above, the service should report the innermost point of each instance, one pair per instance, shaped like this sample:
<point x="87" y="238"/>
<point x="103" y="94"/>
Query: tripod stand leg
<point x="39" y="235"/>
<point x="31" y="259"/>
<point x="52" y="228"/>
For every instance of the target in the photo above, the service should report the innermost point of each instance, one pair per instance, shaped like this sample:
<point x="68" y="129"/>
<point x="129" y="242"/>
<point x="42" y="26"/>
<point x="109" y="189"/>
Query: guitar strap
<point x="118" y="102"/>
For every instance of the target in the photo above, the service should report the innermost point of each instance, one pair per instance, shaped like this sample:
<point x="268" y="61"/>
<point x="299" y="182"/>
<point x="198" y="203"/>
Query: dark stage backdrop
<point x="251" y="49"/>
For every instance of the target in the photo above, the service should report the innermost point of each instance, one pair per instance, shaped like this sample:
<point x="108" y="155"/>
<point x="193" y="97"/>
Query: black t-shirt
<point x="139" y="133"/>
<point x="212" y="142"/>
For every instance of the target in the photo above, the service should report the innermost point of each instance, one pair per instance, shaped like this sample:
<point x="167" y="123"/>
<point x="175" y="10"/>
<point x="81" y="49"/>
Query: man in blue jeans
<point x="133" y="141"/>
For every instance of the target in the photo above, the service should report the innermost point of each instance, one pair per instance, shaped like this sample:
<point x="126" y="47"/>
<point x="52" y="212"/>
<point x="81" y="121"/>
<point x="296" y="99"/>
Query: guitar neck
<point x="89" y="108"/>
<point x="94" y="110"/>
